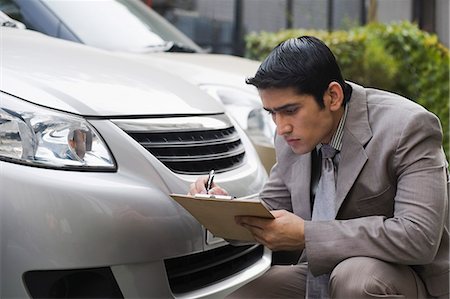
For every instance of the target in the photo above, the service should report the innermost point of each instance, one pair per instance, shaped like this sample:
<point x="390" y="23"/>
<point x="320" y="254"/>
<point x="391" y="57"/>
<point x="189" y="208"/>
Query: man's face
<point x="299" y="119"/>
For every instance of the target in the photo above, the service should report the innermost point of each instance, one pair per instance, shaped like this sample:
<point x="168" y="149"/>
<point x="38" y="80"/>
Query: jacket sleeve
<point x="412" y="235"/>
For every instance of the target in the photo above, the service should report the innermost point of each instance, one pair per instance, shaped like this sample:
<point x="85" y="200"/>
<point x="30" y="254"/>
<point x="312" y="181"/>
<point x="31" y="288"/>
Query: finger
<point x="260" y="240"/>
<point x="199" y="185"/>
<point x="217" y="191"/>
<point x="256" y="232"/>
<point x="252" y="221"/>
<point x="192" y="189"/>
<point x="278" y="213"/>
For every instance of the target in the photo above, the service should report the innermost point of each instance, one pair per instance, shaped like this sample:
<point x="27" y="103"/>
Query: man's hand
<point x="198" y="187"/>
<point x="285" y="232"/>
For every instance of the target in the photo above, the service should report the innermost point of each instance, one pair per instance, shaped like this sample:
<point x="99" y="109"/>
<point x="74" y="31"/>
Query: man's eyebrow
<point x="281" y="108"/>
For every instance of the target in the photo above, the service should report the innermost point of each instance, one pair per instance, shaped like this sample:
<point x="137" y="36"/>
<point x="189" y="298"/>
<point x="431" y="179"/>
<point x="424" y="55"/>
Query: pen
<point x="209" y="182"/>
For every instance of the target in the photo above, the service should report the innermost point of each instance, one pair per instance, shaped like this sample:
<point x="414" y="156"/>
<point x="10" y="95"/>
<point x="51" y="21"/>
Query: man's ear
<point x="336" y="95"/>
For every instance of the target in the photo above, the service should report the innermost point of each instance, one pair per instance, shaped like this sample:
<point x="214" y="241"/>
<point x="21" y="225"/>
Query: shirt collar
<point x="336" y="140"/>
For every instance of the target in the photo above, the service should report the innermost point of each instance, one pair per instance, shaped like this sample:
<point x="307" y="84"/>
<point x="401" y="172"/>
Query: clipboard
<point x="216" y="213"/>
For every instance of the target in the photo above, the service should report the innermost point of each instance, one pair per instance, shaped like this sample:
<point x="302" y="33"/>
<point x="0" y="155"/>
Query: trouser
<point x="354" y="278"/>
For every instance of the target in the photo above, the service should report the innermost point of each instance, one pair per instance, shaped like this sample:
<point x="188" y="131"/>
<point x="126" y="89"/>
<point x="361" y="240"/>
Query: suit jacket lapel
<point x="357" y="133"/>
<point x="353" y="158"/>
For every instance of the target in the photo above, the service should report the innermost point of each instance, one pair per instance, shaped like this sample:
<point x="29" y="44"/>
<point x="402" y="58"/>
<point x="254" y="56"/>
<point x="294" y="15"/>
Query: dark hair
<point x="304" y="63"/>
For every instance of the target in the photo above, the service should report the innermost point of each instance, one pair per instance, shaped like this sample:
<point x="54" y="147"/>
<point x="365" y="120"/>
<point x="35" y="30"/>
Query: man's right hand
<point x="199" y="187"/>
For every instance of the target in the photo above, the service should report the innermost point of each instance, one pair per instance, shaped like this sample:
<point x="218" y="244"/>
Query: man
<point x="376" y="221"/>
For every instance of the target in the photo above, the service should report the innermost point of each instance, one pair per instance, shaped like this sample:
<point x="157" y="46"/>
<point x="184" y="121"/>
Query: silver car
<point x="91" y="146"/>
<point x="129" y="26"/>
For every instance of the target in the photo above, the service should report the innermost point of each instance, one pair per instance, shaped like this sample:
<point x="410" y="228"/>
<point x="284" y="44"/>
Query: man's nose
<point x="283" y="127"/>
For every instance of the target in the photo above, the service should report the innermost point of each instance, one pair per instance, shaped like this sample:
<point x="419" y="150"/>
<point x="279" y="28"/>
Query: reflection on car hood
<point x="226" y="63"/>
<point x="215" y="69"/>
<point x="201" y="69"/>
<point x="79" y="79"/>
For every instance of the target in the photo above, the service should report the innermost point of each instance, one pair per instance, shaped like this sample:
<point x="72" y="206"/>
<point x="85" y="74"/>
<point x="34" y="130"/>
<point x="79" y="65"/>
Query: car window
<point x="35" y="16"/>
<point x="11" y="9"/>
<point x="6" y="21"/>
<point x="116" y="24"/>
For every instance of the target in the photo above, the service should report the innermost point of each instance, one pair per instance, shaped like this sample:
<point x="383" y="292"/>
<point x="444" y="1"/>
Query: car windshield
<point x="6" y="21"/>
<point x="122" y="25"/>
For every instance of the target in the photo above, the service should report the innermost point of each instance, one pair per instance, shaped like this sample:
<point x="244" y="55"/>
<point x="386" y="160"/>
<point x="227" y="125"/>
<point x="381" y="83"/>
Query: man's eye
<point x="291" y="111"/>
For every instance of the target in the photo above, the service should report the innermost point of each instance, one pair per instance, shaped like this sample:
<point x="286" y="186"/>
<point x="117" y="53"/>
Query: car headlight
<point x="245" y="107"/>
<point x="33" y="135"/>
<point x="261" y="127"/>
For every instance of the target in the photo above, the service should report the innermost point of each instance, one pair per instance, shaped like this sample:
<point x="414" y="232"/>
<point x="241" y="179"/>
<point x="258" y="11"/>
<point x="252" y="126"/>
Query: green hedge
<point x="398" y="57"/>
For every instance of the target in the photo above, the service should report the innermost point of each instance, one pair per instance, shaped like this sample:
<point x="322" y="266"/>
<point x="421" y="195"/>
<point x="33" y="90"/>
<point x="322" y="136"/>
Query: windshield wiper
<point x="169" y="47"/>
<point x="178" y="47"/>
<point x="6" y="21"/>
<point x="8" y="24"/>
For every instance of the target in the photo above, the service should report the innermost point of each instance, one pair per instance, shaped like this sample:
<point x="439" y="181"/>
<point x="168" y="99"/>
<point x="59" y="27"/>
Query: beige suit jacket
<point x="392" y="197"/>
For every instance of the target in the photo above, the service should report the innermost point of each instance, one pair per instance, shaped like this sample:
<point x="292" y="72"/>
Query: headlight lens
<point x="37" y="136"/>
<point x="245" y="107"/>
<point x="261" y="127"/>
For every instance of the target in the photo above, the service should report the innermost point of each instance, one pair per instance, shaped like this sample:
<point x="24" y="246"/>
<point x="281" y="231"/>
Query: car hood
<point x="215" y="72"/>
<point x="230" y="64"/>
<point x="204" y="69"/>
<point x="92" y="82"/>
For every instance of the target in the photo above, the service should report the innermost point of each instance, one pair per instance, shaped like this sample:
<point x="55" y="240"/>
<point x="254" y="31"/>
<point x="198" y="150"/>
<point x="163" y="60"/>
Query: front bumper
<point x="124" y="221"/>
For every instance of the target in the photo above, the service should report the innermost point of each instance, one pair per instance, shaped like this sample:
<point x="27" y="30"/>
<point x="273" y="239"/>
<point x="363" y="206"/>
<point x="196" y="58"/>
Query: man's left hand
<point x="285" y="232"/>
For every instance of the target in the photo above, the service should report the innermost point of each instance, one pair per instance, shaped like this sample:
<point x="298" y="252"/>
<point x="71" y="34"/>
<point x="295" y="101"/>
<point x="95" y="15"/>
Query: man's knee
<point x="342" y="282"/>
<point x="364" y="277"/>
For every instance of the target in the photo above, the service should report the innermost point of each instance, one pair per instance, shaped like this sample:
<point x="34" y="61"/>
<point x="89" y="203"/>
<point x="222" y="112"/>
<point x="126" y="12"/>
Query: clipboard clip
<point x="214" y="196"/>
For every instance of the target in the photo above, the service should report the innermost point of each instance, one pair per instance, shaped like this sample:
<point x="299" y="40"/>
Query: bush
<point x="398" y="57"/>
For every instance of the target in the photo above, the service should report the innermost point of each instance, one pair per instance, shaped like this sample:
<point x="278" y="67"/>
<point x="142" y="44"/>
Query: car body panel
<point x="81" y="22"/>
<point x="217" y="70"/>
<point x="233" y="65"/>
<point x="71" y="89"/>
<point x="124" y="220"/>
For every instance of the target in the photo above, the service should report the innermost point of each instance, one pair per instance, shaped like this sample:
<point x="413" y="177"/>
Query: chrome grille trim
<point x="191" y="272"/>
<point x="189" y="145"/>
<point x="177" y="124"/>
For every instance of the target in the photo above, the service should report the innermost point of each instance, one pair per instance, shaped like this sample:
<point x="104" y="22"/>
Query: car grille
<point x="189" y="145"/>
<point x="191" y="272"/>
